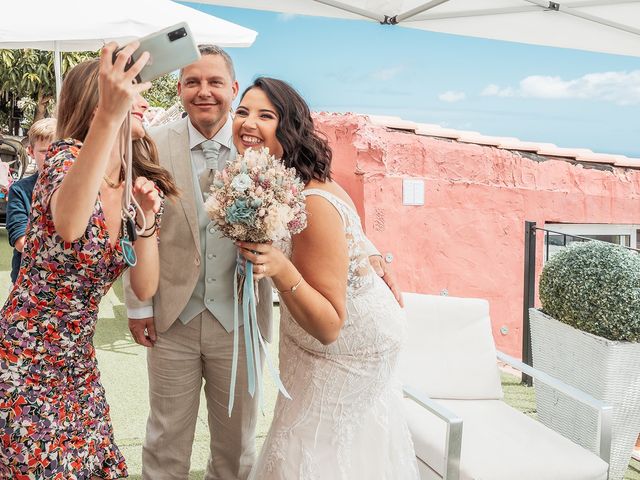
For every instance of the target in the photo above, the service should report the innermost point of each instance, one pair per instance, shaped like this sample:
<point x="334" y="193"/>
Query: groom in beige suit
<point x="189" y="322"/>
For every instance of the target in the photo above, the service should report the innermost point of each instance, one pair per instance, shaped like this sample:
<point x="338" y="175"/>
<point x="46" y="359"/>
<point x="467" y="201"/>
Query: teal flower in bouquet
<point x="241" y="211"/>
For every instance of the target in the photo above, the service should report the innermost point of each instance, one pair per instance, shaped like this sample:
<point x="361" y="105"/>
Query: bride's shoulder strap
<point x="334" y="200"/>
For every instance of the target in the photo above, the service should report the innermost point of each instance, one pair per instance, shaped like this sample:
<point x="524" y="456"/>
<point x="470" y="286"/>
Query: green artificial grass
<point x="123" y="369"/>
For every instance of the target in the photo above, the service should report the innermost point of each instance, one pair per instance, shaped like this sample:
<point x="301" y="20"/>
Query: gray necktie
<point x="211" y="152"/>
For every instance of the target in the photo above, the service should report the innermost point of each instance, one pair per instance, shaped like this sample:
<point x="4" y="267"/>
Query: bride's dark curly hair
<point x="305" y="149"/>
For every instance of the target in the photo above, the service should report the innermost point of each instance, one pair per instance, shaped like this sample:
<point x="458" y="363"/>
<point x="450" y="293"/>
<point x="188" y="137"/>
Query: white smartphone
<point x="169" y="49"/>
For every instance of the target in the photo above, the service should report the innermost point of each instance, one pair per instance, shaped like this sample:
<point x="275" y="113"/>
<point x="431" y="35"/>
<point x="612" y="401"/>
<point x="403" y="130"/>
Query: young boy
<point x="41" y="134"/>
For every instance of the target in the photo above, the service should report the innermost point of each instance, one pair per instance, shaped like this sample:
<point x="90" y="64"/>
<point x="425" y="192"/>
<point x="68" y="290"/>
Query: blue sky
<point x="567" y="97"/>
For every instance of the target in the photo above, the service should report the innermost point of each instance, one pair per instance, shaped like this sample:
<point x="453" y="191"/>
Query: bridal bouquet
<point x="255" y="199"/>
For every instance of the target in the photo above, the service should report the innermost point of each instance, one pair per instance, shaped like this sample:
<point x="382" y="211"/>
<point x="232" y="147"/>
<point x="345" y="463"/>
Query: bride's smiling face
<point x="255" y="124"/>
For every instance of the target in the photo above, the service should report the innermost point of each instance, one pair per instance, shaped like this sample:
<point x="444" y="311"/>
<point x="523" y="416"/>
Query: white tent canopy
<point x="81" y="25"/>
<point x="607" y="26"/>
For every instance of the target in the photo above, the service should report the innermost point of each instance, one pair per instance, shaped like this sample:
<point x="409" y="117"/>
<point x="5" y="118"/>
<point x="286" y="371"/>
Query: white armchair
<point x="460" y="426"/>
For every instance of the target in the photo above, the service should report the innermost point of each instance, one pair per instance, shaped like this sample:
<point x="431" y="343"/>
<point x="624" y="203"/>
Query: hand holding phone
<point x="169" y="49"/>
<point x="117" y="87"/>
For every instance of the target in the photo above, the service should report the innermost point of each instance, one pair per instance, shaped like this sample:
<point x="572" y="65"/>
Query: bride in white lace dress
<point x="341" y="328"/>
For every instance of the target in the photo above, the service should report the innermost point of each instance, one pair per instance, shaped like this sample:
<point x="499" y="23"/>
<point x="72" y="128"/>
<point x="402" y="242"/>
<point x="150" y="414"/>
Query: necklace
<point x="111" y="183"/>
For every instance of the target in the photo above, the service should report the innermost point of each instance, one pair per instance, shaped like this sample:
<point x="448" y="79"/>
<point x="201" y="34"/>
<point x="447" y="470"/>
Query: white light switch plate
<point x="412" y="191"/>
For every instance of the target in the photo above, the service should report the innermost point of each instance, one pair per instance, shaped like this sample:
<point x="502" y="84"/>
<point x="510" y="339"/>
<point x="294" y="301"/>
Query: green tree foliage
<point x="164" y="92"/>
<point x="27" y="81"/>
<point x="29" y="75"/>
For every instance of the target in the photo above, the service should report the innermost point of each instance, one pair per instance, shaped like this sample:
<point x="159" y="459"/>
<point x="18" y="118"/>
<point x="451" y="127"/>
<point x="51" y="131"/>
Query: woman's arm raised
<point x="72" y="204"/>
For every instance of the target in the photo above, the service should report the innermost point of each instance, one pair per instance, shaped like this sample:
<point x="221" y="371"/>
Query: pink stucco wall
<point x="468" y="237"/>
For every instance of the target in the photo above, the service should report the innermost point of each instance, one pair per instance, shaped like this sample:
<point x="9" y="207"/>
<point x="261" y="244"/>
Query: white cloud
<point x="286" y="17"/>
<point x="451" y="96"/>
<point x="495" y="91"/>
<point x="622" y="88"/>
<point x="387" y="74"/>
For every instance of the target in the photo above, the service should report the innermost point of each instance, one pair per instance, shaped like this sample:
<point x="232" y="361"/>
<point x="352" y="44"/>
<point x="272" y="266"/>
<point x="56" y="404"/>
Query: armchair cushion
<point x="501" y="443"/>
<point x="450" y="331"/>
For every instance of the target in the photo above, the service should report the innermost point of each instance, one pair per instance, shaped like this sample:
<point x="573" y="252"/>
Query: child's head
<point x="41" y="134"/>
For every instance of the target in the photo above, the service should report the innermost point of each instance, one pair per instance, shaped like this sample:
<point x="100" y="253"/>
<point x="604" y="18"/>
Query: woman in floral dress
<point x="54" y="419"/>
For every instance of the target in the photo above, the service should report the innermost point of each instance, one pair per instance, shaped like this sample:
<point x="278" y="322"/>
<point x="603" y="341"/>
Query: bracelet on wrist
<point x="153" y="226"/>
<point x="151" y="233"/>
<point x="293" y="289"/>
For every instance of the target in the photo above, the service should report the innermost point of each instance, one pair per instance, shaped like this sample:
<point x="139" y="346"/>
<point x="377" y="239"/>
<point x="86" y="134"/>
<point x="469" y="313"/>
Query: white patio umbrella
<point x="80" y="25"/>
<point x="608" y="26"/>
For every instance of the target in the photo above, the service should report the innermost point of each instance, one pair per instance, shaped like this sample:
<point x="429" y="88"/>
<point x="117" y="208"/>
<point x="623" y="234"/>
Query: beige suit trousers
<point x="181" y="359"/>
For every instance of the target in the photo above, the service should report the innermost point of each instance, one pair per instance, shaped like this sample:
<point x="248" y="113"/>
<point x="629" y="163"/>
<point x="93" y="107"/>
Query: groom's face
<point x="207" y="91"/>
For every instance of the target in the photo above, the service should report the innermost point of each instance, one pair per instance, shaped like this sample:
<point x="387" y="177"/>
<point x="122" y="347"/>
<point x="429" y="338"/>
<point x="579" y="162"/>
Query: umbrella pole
<point x="353" y="9"/>
<point x="57" y="61"/>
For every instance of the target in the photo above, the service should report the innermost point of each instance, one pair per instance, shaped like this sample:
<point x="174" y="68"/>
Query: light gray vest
<point x="214" y="290"/>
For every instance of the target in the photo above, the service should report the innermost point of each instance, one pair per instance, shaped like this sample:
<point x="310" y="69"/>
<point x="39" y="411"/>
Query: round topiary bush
<point x="594" y="287"/>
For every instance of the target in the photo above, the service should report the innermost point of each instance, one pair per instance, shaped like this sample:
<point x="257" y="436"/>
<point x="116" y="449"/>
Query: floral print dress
<point x="54" y="419"/>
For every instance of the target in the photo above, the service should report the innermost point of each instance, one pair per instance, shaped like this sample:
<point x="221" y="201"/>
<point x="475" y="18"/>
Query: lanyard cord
<point x="127" y="164"/>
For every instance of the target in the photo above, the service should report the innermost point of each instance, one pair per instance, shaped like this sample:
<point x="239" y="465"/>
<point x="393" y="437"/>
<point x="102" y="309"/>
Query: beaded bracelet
<point x="293" y="289"/>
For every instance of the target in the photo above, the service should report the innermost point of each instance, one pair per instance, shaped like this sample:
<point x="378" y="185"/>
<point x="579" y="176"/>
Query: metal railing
<point x="528" y="302"/>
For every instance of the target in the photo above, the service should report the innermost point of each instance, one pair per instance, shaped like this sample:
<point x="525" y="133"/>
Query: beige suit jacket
<point x="179" y="246"/>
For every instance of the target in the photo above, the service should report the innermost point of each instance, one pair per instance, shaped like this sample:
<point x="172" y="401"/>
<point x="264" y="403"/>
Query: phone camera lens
<point x="177" y="34"/>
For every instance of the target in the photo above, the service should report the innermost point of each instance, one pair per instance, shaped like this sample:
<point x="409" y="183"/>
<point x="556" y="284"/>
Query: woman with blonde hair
<point x="54" y="419"/>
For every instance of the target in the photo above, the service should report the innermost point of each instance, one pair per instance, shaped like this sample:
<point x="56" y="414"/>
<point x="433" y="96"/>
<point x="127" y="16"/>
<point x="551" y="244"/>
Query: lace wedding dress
<point x="344" y="421"/>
